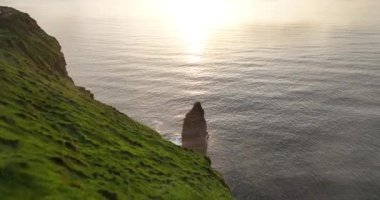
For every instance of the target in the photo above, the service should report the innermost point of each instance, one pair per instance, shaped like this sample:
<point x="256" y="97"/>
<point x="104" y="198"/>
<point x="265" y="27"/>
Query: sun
<point x="201" y="13"/>
<point x="196" y="19"/>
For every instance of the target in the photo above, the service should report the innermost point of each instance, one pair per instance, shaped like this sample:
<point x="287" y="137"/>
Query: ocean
<point x="293" y="109"/>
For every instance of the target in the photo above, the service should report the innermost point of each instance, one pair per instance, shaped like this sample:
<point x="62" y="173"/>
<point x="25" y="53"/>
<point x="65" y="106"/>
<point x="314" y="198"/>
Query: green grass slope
<point x="57" y="142"/>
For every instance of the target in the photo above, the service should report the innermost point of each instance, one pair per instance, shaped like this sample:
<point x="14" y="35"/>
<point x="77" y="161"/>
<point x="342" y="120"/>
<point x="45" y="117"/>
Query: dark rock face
<point x="6" y="11"/>
<point x="194" y="131"/>
<point x="60" y="66"/>
<point x="32" y="41"/>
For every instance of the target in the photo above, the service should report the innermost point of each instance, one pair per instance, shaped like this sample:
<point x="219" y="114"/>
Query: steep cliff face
<point x="57" y="142"/>
<point x="21" y="33"/>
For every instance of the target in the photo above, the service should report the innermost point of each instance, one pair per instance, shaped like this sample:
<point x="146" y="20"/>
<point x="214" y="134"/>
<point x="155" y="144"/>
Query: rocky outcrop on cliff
<point x="57" y="142"/>
<point x="194" y="131"/>
<point x="21" y="32"/>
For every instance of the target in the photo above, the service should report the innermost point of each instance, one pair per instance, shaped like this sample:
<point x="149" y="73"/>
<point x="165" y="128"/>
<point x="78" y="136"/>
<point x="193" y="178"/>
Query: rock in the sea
<point x="194" y="131"/>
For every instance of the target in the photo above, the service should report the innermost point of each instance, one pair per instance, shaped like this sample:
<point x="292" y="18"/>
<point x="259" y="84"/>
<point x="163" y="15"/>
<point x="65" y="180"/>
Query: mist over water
<point x="293" y="108"/>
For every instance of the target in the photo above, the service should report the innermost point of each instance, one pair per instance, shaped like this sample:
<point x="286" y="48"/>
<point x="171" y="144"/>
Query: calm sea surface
<point x="293" y="109"/>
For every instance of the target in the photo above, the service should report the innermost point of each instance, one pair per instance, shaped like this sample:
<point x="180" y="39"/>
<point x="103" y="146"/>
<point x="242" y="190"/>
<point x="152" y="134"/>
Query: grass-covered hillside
<point x="57" y="142"/>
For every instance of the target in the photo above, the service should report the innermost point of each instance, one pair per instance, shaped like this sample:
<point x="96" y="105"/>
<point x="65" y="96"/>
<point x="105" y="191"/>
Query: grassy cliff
<point x="57" y="142"/>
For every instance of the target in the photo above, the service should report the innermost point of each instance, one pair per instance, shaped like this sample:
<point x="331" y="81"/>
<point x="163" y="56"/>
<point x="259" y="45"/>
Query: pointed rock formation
<point x="194" y="131"/>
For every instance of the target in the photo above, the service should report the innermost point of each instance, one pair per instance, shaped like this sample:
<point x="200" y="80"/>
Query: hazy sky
<point x="255" y="10"/>
<point x="261" y="11"/>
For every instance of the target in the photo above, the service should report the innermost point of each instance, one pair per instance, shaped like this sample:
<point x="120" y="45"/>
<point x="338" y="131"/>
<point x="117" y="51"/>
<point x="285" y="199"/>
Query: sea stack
<point x="194" y="131"/>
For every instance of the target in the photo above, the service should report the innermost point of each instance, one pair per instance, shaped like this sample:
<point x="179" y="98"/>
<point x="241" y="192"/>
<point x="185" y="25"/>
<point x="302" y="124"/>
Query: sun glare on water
<point x="196" y="19"/>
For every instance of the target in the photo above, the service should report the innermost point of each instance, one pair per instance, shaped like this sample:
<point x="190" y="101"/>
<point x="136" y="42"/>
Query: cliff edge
<point x="57" y="142"/>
